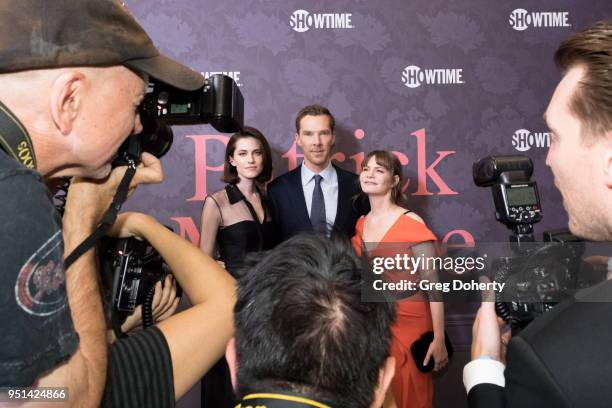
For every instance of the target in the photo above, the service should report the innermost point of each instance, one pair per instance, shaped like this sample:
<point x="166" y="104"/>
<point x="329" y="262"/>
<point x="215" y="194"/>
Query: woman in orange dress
<point x="386" y="227"/>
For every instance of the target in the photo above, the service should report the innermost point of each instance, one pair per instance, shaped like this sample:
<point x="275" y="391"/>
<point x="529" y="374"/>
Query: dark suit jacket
<point x="288" y="205"/>
<point x="562" y="359"/>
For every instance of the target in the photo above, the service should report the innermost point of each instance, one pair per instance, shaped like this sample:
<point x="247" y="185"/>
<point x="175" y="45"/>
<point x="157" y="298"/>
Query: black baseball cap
<point x="38" y="34"/>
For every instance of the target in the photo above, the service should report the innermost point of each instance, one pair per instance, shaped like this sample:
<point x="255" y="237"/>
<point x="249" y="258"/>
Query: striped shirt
<point x="140" y="372"/>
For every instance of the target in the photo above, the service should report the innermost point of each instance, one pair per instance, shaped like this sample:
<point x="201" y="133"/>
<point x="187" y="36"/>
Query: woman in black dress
<point x="236" y="221"/>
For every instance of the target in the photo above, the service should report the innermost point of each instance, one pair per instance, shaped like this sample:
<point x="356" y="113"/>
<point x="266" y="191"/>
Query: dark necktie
<point x="317" y="209"/>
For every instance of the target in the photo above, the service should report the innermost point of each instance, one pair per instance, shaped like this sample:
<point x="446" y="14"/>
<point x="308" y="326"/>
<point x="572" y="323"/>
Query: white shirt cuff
<point x="483" y="370"/>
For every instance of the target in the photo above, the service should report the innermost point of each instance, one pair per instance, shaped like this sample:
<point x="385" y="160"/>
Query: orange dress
<point x="411" y="388"/>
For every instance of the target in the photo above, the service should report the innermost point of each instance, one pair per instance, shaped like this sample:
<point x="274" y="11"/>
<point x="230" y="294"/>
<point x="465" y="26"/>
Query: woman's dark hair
<point x="391" y="163"/>
<point x="230" y="175"/>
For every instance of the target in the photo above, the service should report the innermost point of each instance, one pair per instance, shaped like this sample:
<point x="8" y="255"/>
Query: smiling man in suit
<point x="317" y="195"/>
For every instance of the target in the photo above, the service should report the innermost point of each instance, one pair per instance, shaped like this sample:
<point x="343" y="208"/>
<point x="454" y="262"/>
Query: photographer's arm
<point x="437" y="349"/>
<point x="197" y="336"/>
<point x="84" y="374"/>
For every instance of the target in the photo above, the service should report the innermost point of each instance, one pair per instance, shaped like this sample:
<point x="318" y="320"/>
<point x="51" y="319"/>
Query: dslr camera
<point x="131" y="267"/>
<point x="537" y="274"/>
<point x="219" y="102"/>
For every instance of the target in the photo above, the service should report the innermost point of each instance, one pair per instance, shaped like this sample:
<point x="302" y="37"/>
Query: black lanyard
<point x="14" y="138"/>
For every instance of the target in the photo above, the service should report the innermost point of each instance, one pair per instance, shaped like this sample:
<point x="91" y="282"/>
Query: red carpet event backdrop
<point x="441" y="83"/>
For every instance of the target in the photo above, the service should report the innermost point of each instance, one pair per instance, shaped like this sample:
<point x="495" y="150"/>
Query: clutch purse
<point x="419" y="351"/>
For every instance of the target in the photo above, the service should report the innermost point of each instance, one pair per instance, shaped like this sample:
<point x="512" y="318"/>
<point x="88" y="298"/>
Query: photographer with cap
<point x="72" y="75"/>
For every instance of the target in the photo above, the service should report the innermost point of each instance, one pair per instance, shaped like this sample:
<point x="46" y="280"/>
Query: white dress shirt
<point x="329" y="185"/>
<point x="483" y="370"/>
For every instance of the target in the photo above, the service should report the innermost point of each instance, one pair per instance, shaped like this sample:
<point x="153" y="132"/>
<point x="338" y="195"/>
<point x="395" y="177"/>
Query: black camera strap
<point x="14" y="138"/>
<point x="109" y="216"/>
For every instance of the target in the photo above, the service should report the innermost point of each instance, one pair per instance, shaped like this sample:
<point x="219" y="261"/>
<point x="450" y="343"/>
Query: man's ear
<point x="385" y="376"/>
<point x="67" y="93"/>
<point x="297" y="139"/>
<point x="608" y="164"/>
<point x="230" y="357"/>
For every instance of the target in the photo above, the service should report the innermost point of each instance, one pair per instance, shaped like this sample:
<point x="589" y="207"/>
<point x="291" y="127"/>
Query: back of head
<point x="301" y="326"/>
<point x="592" y="102"/>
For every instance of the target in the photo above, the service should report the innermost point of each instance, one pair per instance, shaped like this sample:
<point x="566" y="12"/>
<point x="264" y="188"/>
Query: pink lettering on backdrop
<point x="468" y="239"/>
<point x="423" y="170"/>
<point x="188" y="229"/>
<point x="292" y="156"/>
<point x="201" y="163"/>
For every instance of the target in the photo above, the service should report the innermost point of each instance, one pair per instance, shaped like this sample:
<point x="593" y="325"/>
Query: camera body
<point x="219" y="102"/>
<point x="538" y="274"/>
<point x="131" y="268"/>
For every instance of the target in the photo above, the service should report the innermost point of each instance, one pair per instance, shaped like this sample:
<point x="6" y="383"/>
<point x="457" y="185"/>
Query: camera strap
<point x="109" y="216"/>
<point x="14" y="138"/>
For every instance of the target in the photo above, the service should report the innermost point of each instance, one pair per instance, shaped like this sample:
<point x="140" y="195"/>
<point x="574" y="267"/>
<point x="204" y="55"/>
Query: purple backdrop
<point x="443" y="83"/>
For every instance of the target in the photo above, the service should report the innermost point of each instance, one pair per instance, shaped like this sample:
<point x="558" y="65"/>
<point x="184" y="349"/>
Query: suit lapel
<point x="297" y="196"/>
<point x="343" y="205"/>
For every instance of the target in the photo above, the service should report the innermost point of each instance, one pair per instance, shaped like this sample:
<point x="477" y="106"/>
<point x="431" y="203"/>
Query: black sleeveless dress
<point x="240" y="233"/>
<point x="242" y="236"/>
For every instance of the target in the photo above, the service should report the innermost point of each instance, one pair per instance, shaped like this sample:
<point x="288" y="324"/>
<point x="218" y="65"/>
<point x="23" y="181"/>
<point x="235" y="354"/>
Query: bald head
<point x="77" y="117"/>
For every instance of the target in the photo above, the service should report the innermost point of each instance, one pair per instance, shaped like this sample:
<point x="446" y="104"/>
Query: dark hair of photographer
<point x="230" y="174"/>
<point x="592" y="103"/>
<point x="301" y="326"/>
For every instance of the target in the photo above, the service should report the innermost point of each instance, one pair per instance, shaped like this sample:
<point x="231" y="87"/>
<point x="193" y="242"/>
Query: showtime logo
<point x="523" y="140"/>
<point x="413" y="76"/>
<point x="302" y="21"/>
<point x="521" y="19"/>
<point x="235" y="75"/>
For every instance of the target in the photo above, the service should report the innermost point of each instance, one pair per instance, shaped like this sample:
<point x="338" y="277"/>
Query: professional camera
<point x="219" y="102"/>
<point x="133" y="265"/>
<point x="130" y="270"/>
<point x="538" y="274"/>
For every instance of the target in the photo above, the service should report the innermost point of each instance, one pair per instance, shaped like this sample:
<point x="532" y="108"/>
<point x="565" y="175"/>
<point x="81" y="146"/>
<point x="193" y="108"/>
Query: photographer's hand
<point x="89" y="199"/>
<point x="165" y="303"/>
<point x="486" y="336"/>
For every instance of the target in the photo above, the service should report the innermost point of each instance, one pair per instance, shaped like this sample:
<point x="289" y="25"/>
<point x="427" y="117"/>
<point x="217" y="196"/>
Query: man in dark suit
<point x="317" y="195"/>
<point x="563" y="358"/>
